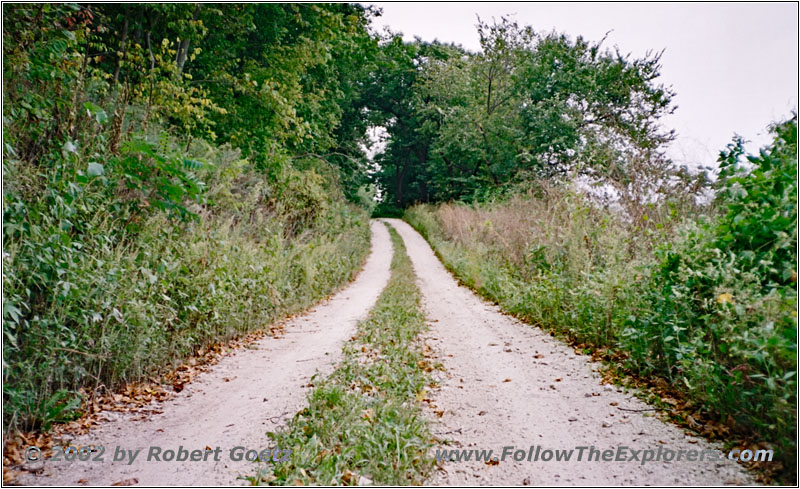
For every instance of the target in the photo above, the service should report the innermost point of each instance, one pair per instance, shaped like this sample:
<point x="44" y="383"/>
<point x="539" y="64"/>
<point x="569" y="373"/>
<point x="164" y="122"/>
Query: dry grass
<point x="643" y="290"/>
<point x="558" y="226"/>
<point x="548" y="255"/>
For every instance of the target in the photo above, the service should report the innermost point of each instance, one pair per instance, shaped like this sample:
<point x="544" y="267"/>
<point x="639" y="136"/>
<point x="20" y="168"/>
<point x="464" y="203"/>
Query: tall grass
<point x="133" y="294"/>
<point x="675" y="297"/>
<point x="554" y="260"/>
<point x="364" y="420"/>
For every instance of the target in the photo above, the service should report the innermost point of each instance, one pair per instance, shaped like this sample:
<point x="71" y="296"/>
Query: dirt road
<point x="246" y="394"/>
<point x="505" y="384"/>
<point x="510" y="384"/>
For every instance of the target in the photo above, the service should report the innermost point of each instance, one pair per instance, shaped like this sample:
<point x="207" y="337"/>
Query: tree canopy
<point x="526" y="105"/>
<point x="287" y="82"/>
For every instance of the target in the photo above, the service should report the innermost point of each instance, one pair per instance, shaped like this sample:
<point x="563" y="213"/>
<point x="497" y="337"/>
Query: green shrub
<point x="114" y="276"/>
<point x="719" y="317"/>
<point x="707" y="303"/>
<point x="128" y="240"/>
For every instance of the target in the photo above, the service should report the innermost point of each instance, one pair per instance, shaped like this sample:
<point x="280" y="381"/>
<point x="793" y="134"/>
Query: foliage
<point x="129" y="240"/>
<point x="394" y="105"/>
<point x="761" y="202"/>
<point x="293" y="72"/>
<point x="130" y="295"/>
<point x="720" y="315"/>
<point x="364" y="419"/>
<point x="708" y="304"/>
<point x="275" y="80"/>
<point x="526" y="105"/>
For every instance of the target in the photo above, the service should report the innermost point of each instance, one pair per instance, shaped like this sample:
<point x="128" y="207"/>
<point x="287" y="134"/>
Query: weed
<point x="705" y="303"/>
<point x="363" y="421"/>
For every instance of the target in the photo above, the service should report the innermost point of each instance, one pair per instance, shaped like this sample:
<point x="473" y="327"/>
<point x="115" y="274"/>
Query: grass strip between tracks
<point x="363" y="423"/>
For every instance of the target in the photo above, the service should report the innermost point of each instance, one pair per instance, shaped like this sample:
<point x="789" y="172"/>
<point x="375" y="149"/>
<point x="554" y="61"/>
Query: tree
<point x="525" y="106"/>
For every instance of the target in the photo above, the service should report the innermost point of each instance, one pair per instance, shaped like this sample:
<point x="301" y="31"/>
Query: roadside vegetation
<point x="697" y="300"/>
<point x="538" y="169"/>
<point x="363" y="423"/>
<point x="175" y="175"/>
<point x="168" y="184"/>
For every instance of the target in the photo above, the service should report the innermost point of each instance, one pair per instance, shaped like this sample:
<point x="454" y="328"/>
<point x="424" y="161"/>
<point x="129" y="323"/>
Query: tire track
<point x="509" y="384"/>
<point x="246" y="394"/>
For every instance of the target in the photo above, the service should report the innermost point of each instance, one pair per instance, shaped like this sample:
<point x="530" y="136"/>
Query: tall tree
<point x="525" y="106"/>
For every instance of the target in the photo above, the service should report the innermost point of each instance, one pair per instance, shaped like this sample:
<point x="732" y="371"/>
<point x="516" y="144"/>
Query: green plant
<point x="364" y="420"/>
<point x="131" y="236"/>
<point x="719" y="315"/>
<point x="707" y="303"/>
<point x="63" y="406"/>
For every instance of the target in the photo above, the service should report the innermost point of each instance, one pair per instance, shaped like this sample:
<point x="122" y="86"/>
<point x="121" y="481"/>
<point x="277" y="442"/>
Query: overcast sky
<point x="733" y="65"/>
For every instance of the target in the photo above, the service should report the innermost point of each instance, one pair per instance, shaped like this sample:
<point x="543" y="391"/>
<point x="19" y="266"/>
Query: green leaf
<point x="95" y="170"/>
<point x="96" y="111"/>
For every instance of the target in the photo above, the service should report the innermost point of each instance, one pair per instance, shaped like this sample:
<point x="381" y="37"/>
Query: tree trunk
<point x="152" y="81"/>
<point x="119" y="118"/>
<point x="122" y="46"/>
<point x="77" y="96"/>
<point x="183" y="48"/>
<point x="400" y="176"/>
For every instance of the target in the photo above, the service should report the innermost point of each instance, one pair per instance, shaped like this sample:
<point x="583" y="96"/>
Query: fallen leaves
<point x="126" y="482"/>
<point x="368" y="414"/>
<point x="14" y="449"/>
<point x="349" y="478"/>
<point x="687" y="414"/>
<point x="425" y="366"/>
<point x="133" y="397"/>
<point x="9" y="476"/>
<point x="724" y="298"/>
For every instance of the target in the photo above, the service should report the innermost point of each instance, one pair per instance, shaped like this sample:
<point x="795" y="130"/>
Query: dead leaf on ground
<point x="126" y="482"/>
<point x="349" y="478"/>
<point x="10" y="476"/>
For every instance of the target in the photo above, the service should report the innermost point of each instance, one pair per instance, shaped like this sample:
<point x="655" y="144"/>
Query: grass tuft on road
<point x="364" y="423"/>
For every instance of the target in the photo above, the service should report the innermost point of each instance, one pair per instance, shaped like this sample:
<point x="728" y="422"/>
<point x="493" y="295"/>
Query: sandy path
<point x="553" y="399"/>
<point x="246" y="394"/>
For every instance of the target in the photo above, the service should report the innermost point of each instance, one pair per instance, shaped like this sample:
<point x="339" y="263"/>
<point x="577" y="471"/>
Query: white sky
<point x="734" y="66"/>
